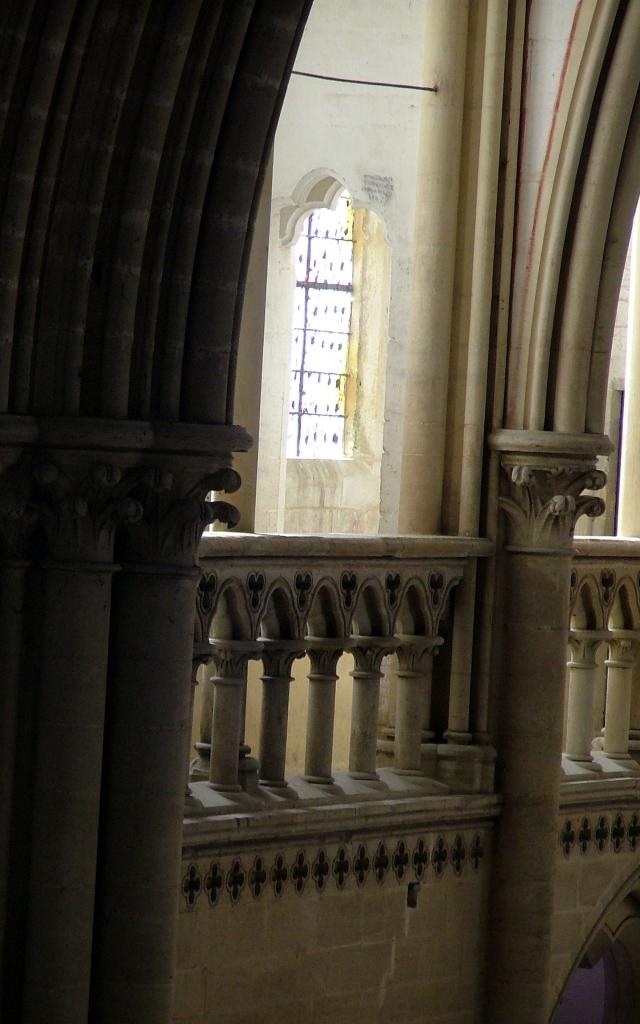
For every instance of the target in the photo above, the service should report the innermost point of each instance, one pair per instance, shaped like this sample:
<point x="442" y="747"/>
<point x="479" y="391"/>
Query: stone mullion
<point x="278" y="657"/>
<point x="368" y="652"/>
<point x="583" y="670"/>
<point x="323" y="655"/>
<point x="542" y="500"/>
<point x="617" y="715"/>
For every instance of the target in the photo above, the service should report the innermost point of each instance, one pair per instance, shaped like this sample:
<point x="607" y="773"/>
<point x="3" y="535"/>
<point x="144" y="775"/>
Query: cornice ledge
<point x="550" y="442"/>
<point x="156" y="436"/>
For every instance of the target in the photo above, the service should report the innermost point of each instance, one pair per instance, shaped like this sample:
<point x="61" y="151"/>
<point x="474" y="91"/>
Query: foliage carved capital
<point x="75" y="506"/>
<point x="545" y="499"/>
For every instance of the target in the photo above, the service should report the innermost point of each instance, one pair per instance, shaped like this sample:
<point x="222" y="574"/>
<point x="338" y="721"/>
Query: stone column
<point x="227" y="732"/>
<point x="147" y="732"/>
<point x="76" y="502"/>
<point x="623" y="645"/>
<point x="413" y="697"/>
<point x="277" y="657"/>
<point x="324" y="653"/>
<point x="368" y="652"/>
<point x="544" y="476"/>
<point x="434" y="264"/>
<point x="20" y="627"/>
<point x="628" y="504"/>
<point x="582" y="667"/>
<point x="201" y="659"/>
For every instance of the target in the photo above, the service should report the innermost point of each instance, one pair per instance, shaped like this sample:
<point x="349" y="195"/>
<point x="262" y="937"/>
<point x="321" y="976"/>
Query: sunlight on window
<point x="321" y="333"/>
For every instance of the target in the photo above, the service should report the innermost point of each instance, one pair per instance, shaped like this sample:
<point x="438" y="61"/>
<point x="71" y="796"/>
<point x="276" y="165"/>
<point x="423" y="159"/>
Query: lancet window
<point x="321" y="333"/>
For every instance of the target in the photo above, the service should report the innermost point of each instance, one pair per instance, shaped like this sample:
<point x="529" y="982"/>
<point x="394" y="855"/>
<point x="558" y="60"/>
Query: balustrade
<point x="368" y="652"/>
<point x="605" y="610"/>
<point x="617" y="720"/>
<point x="277" y="600"/>
<point x="583" y="670"/>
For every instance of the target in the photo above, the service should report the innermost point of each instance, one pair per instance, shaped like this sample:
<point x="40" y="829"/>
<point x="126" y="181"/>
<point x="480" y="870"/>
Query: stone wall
<point x="366" y="137"/>
<point x="598" y="864"/>
<point x="323" y="929"/>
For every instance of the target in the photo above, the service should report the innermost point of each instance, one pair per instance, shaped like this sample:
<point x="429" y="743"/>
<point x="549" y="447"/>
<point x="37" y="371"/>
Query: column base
<point x="466" y="768"/>
<point x="248" y="768"/>
<point x="199" y="767"/>
<point x="226" y="787"/>
<point x="453" y="736"/>
<point x="364" y="776"/>
<point x="584" y="762"/>
<point x="320" y="780"/>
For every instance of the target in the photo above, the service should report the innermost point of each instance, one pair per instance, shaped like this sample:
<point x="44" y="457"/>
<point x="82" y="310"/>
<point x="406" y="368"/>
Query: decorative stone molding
<point x="617" y="834"/>
<point x="265" y="570"/>
<point x="349" y="865"/>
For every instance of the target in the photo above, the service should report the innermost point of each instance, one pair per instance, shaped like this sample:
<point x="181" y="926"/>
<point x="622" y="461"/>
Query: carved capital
<point x="66" y="511"/>
<point x="231" y="658"/>
<point x="324" y="654"/>
<point x="623" y="648"/>
<point x="414" y="653"/>
<point x="584" y="646"/>
<point x="174" y="513"/>
<point x="76" y="505"/>
<point x="368" y="652"/>
<point x="545" y="498"/>
<point x="279" y="655"/>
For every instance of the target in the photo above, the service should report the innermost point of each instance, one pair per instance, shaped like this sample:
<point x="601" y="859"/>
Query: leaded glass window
<point x="321" y="333"/>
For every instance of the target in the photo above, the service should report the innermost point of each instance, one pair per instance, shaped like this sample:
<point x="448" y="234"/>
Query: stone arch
<point x="625" y="610"/>
<point x="586" y="200"/>
<point x="138" y="316"/>
<point x="279" y="619"/>
<point x="599" y="925"/>
<point x="231" y="619"/>
<point x="319" y="188"/>
<point x="325" y="616"/>
<point x="587" y="611"/>
<point x="413" y="615"/>
<point x="370" y="616"/>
